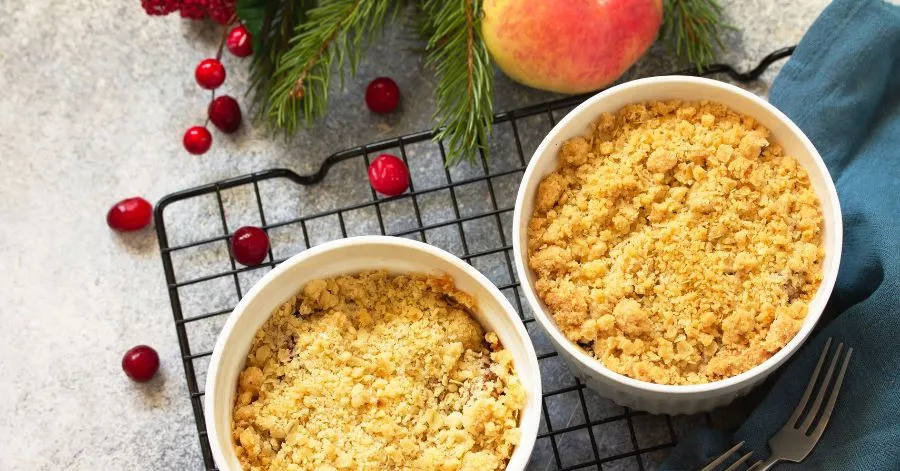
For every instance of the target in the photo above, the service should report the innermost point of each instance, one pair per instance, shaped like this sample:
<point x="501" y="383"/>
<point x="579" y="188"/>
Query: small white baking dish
<point x="675" y="399"/>
<point x="349" y="256"/>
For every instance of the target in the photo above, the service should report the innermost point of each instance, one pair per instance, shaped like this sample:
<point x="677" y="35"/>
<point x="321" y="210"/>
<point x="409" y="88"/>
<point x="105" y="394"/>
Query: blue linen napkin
<point x="842" y="87"/>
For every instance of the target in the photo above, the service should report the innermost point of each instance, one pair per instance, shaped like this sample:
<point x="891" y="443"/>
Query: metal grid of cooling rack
<point x="466" y="210"/>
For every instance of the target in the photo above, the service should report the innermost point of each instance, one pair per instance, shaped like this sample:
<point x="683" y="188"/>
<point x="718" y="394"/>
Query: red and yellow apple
<point x="569" y="46"/>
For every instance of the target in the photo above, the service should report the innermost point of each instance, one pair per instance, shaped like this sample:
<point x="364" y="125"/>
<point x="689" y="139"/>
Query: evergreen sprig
<point x="457" y="51"/>
<point x="692" y="29"/>
<point x="333" y="35"/>
<point x="272" y="25"/>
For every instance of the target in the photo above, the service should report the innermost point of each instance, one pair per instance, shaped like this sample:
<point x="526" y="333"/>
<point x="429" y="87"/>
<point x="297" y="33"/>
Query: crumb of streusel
<point x="377" y="371"/>
<point x="675" y="243"/>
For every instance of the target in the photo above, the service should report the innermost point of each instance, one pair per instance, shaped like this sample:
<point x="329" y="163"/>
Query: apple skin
<point x="569" y="46"/>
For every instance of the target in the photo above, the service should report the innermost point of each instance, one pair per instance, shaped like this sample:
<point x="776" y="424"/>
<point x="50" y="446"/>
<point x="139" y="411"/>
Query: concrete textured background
<point x="95" y="98"/>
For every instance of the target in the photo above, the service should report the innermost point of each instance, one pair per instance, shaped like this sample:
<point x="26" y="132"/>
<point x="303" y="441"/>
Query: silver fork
<point x="797" y="438"/>
<point x="734" y="466"/>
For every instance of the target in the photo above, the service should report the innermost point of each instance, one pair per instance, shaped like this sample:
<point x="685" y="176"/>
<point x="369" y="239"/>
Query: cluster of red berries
<point x="388" y="174"/>
<point x="224" y="111"/>
<point x="249" y="245"/>
<point x="132" y="214"/>
<point x="221" y="11"/>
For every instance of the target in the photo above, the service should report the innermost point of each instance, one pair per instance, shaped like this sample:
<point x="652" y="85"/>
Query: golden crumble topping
<point x="377" y="371"/>
<point x="675" y="243"/>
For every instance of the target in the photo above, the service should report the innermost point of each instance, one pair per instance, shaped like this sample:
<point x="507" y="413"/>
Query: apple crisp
<point x="675" y="243"/>
<point x="377" y="371"/>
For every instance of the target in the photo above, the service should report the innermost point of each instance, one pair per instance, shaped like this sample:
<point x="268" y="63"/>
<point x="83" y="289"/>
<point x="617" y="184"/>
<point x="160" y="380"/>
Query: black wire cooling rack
<point x="466" y="210"/>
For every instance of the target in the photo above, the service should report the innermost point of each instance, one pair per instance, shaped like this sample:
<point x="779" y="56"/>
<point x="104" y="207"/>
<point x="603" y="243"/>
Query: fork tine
<point x="823" y="390"/>
<point x="737" y="464"/>
<point x="809" y="387"/>
<point x="829" y="408"/>
<point x="721" y="459"/>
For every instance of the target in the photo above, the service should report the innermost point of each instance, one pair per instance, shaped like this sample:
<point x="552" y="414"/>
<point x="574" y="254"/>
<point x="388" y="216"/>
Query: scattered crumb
<point x="676" y="243"/>
<point x="377" y="371"/>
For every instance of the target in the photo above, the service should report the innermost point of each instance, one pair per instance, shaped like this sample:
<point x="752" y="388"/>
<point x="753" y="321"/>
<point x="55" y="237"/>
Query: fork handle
<point x="765" y="465"/>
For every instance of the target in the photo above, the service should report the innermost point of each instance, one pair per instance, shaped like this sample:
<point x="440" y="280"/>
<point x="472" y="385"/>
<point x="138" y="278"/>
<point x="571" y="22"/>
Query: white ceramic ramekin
<point x="349" y="256"/>
<point x="641" y="395"/>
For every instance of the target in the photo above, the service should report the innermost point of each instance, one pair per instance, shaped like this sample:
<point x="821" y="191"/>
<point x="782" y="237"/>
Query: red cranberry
<point x="130" y="214"/>
<point x="197" y="140"/>
<point x="140" y="363"/>
<point x="210" y="73"/>
<point x="388" y="175"/>
<point x="225" y="113"/>
<point x="249" y="245"/>
<point x="382" y="95"/>
<point x="239" y="41"/>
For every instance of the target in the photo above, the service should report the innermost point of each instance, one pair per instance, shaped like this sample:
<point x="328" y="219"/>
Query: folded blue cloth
<point x="842" y="87"/>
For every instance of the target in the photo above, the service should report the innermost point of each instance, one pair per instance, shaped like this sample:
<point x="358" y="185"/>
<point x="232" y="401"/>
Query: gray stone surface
<point x="95" y="97"/>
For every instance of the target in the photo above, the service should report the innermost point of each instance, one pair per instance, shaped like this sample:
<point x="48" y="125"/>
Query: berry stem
<point x="211" y="98"/>
<point x="225" y="29"/>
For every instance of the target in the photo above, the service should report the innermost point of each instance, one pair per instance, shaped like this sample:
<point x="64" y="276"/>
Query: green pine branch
<point x="272" y="25"/>
<point x="692" y="30"/>
<point x="331" y="35"/>
<point x="457" y="51"/>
